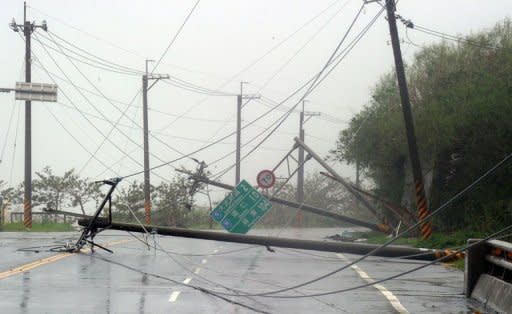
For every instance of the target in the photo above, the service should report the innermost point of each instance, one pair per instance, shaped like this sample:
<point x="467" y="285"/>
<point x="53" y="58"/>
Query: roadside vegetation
<point x="461" y="97"/>
<point x="38" y="227"/>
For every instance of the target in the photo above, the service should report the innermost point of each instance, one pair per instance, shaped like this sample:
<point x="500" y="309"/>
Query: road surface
<point x="136" y="279"/>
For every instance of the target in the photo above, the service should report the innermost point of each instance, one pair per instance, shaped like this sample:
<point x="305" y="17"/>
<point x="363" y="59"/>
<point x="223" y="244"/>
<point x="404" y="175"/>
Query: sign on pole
<point x="266" y="179"/>
<point x="36" y="91"/>
<point x="241" y="209"/>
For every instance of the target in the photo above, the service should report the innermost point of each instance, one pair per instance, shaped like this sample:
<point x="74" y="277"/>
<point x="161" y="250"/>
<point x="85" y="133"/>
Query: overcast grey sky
<point x="217" y="49"/>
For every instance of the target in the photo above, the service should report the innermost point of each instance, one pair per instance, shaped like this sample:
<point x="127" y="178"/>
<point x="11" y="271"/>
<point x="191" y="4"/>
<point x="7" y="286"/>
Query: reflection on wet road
<point x="136" y="279"/>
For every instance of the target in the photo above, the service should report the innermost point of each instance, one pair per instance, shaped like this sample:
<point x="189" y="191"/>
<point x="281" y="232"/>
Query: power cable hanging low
<point x="457" y="196"/>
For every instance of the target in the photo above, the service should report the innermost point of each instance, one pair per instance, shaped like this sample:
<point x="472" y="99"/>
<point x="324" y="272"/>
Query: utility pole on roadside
<point x="301" y="160"/>
<point x="421" y="201"/>
<point x="147" y="193"/>
<point x="239" y="99"/>
<point x="28" y="28"/>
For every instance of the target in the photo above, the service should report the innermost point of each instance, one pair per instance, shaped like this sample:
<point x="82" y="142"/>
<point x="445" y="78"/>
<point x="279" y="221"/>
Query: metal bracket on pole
<point x="91" y="230"/>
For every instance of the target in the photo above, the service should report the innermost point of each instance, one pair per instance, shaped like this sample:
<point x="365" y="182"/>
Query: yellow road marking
<point x="47" y="260"/>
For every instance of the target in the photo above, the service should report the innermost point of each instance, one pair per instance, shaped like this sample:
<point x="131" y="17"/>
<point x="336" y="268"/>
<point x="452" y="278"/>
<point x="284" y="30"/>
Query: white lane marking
<point x="392" y="299"/>
<point x="204" y="261"/>
<point x="174" y="296"/>
<point x="197" y="271"/>
<point x="215" y="251"/>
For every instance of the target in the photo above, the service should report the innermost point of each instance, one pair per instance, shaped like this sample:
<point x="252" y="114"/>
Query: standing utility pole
<point x="421" y="201"/>
<point x="147" y="195"/>
<point x="300" y="170"/>
<point x="28" y="28"/>
<point x="239" y="99"/>
<point x="301" y="161"/>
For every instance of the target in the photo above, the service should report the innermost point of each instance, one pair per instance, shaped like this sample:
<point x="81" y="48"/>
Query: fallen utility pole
<point x="308" y="208"/>
<point x="395" y="209"/>
<point x="338" y="178"/>
<point x="324" y="246"/>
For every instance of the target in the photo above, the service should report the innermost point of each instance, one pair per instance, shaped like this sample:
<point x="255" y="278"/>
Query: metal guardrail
<point x="493" y="257"/>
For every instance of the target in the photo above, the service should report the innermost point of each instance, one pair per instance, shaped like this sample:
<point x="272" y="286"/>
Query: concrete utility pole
<point x="147" y="195"/>
<point x="239" y="99"/>
<point x="300" y="170"/>
<point x="28" y="28"/>
<point x="421" y="201"/>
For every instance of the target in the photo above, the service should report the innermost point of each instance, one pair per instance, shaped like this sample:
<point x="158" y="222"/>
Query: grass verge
<point x="438" y="240"/>
<point x="43" y="227"/>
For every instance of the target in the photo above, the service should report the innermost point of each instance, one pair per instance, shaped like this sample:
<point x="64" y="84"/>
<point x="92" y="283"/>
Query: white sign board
<point x="36" y="91"/>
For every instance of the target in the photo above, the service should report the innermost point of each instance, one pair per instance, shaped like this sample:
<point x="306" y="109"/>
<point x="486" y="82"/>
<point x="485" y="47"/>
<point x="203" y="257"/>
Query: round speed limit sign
<point x="266" y="179"/>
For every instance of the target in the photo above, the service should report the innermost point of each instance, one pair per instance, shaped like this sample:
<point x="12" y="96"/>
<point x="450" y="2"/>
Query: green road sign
<point x="241" y="209"/>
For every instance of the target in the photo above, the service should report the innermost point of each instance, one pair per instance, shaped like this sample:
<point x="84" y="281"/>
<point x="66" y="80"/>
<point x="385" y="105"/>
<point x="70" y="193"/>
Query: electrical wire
<point x="74" y="105"/>
<point x="97" y="110"/>
<point x="173" y="259"/>
<point x="14" y="147"/>
<point x="176" y="282"/>
<point x="8" y="131"/>
<point x="432" y="214"/>
<point x="123" y="114"/>
<point x="176" y="36"/>
<point x="256" y="61"/>
<point x="315" y="81"/>
<point x="92" y="155"/>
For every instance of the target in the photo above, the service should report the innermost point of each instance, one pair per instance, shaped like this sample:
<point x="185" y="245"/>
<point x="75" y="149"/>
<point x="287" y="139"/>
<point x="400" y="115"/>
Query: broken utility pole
<point x="305" y="207"/>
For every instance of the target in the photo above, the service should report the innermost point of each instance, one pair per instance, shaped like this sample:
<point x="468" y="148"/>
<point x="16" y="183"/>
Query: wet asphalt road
<point x="137" y="280"/>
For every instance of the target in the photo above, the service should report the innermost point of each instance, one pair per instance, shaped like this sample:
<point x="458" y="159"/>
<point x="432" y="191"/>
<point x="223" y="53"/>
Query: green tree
<point x="460" y="95"/>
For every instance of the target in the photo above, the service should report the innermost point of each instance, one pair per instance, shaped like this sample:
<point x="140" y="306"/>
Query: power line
<point x="84" y="116"/>
<point x="283" y="117"/>
<point x="312" y="86"/>
<point x="92" y="155"/>
<point x="117" y="108"/>
<point x="256" y="61"/>
<point x="410" y="25"/>
<point x="457" y="196"/>
<point x="90" y="63"/>
<point x="175" y="36"/>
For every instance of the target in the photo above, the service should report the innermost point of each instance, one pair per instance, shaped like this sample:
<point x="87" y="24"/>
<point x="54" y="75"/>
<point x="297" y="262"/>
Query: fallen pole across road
<point x="305" y="207"/>
<point x="325" y="246"/>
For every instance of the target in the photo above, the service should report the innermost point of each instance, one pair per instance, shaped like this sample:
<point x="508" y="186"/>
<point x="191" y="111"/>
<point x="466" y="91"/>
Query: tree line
<point x="461" y="102"/>
<point x="172" y="203"/>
